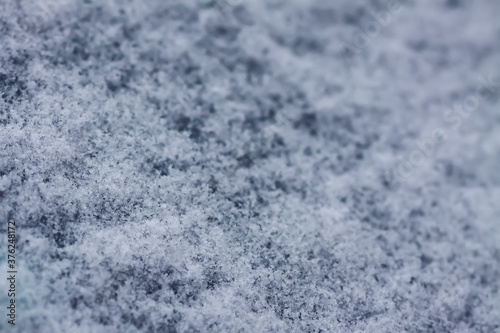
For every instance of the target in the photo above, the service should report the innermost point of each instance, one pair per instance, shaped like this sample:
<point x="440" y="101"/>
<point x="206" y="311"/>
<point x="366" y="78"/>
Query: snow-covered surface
<point x="195" y="166"/>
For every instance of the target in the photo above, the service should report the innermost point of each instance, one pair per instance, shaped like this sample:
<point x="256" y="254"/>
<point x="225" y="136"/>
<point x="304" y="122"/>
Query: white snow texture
<point x="251" y="166"/>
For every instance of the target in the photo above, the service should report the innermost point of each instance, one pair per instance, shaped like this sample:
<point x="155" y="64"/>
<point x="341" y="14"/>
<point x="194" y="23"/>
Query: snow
<point x="206" y="166"/>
